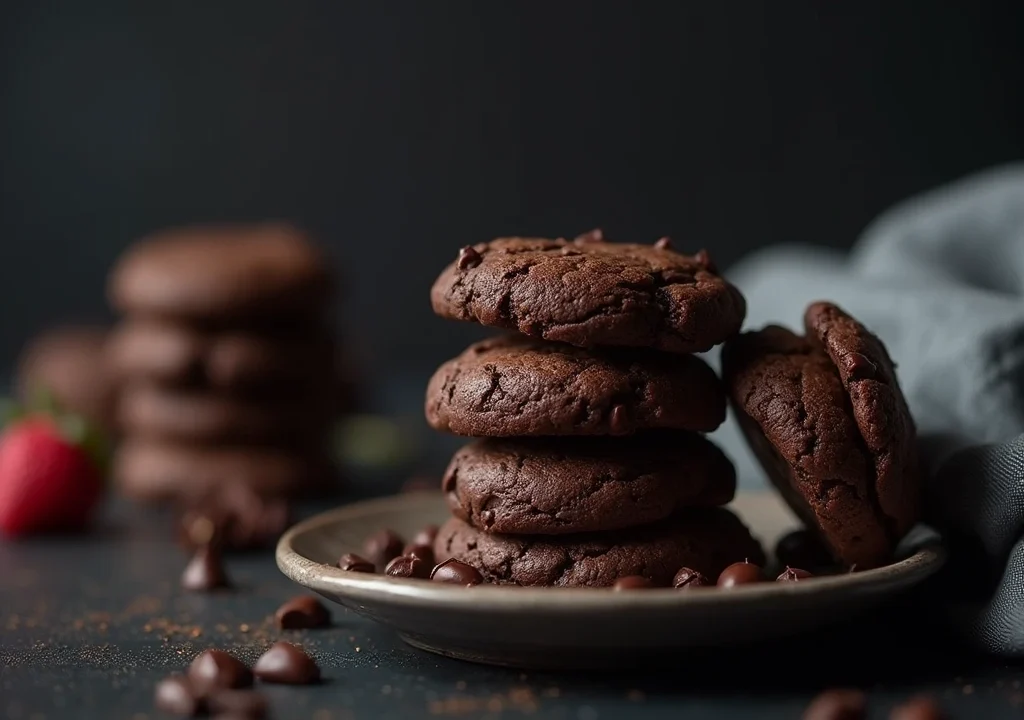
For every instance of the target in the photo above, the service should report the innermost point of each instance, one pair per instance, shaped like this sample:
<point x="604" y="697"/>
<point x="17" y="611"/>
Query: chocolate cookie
<point x="590" y="293"/>
<point x="177" y="355"/>
<point x="816" y="412"/>
<point x="156" y="412"/>
<point x="515" y="386"/>
<point x="157" y="471"/>
<point x="704" y="539"/>
<point x="554" y="486"/>
<point x="222" y="272"/>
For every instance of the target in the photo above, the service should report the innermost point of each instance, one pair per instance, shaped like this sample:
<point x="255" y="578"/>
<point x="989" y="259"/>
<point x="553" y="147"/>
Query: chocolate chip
<point x="426" y="536"/>
<point x="423" y="552"/>
<point x="632" y="582"/>
<point x="174" y="695"/>
<point x="859" y="367"/>
<point x="801" y="548"/>
<point x="468" y="258"/>
<point x="487" y="517"/>
<point x="302" y="612"/>
<point x="205" y="571"/>
<point x="354" y="563"/>
<point x="703" y="259"/>
<point x="741" y="573"/>
<point x="593" y="236"/>
<point x="837" y="705"/>
<point x="408" y="566"/>
<point x="457" y="573"/>
<point x="382" y="547"/>
<point x="919" y="708"/>
<point x="688" y="578"/>
<point x="240" y="703"/>
<point x="217" y="670"/>
<point x="792" y="574"/>
<point x="286" y="664"/>
<point x="618" y="421"/>
<point x="663" y="243"/>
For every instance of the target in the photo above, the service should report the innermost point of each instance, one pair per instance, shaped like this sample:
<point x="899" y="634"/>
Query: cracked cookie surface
<point x="795" y="409"/>
<point x="517" y="386"/>
<point x="592" y="293"/>
<point x="705" y="539"/>
<point x="554" y="486"/>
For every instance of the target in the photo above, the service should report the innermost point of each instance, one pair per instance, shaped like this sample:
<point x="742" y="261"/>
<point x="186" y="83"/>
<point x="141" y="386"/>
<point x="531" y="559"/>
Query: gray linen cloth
<point x="940" y="278"/>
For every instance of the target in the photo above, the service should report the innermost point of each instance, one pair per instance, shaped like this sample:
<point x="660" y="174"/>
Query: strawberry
<point x="51" y="474"/>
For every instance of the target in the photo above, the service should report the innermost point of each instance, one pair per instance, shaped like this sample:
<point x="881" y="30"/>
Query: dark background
<point x="399" y="131"/>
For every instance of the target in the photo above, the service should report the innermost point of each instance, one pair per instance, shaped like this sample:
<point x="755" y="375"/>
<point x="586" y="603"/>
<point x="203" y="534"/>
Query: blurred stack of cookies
<point x="225" y="364"/>
<point x="592" y="468"/>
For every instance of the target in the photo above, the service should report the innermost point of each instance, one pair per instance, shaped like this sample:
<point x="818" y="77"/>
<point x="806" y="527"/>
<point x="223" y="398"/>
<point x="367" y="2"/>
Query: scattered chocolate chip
<point x="663" y="243"/>
<point x="286" y="664"/>
<point x="217" y="670"/>
<point x="205" y="571"/>
<point x="423" y="552"/>
<point x="408" y="566"/>
<point x="426" y="536"/>
<point x="803" y="549"/>
<point x="919" y="708"/>
<point x="469" y="257"/>
<point x="238" y="703"/>
<point x="859" y="367"/>
<point x="174" y="695"/>
<point x="234" y="518"/>
<point x="618" y="421"/>
<point x="457" y="573"/>
<point x="703" y="259"/>
<point x="741" y="573"/>
<point x="382" y="547"/>
<point x="354" y="563"/>
<point x="688" y="578"/>
<point x="302" y="612"/>
<point x="593" y="236"/>
<point x="837" y="705"/>
<point x="632" y="582"/>
<point x="792" y="574"/>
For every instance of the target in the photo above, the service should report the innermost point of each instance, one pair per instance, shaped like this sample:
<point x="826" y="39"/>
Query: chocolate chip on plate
<point x="792" y="574"/>
<point x="408" y="566"/>
<point x="741" y="573"/>
<point x="382" y="547"/>
<point x="688" y="578"/>
<point x="355" y="563"/>
<point x="205" y="571"/>
<point x="456" y="573"/>
<point x="837" y="705"/>
<point x="423" y="552"/>
<point x="217" y="670"/>
<point x="632" y="582"/>
<point x="918" y="708"/>
<point x="174" y="695"/>
<point x="803" y="549"/>
<point x="302" y="612"/>
<point x="286" y="664"/>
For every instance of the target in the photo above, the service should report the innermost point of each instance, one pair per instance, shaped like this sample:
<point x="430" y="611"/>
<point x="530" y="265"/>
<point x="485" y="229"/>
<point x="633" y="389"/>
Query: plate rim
<point x="375" y="588"/>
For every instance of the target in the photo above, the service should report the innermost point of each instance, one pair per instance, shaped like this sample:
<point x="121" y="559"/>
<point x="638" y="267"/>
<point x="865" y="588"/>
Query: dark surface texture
<point x="88" y="626"/>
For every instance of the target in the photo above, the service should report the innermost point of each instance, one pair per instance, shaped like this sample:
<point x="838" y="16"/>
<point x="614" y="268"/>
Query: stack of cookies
<point x="225" y="363"/>
<point x="590" y="467"/>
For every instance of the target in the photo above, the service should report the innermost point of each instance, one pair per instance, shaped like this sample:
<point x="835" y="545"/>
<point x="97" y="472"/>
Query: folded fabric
<point x="940" y="278"/>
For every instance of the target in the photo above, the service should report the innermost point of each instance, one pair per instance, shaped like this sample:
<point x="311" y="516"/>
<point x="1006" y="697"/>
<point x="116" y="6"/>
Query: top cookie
<point x="589" y="293"/>
<point x="229" y="272"/>
<point x="814" y="410"/>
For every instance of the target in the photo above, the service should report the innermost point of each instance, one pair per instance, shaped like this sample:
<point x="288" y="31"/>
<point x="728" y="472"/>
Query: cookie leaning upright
<point x="591" y="293"/>
<point x="825" y="415"/>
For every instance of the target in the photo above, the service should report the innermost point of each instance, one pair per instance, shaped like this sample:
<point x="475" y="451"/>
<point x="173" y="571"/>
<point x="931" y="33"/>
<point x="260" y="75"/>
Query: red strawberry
<point x="50" y="478"/>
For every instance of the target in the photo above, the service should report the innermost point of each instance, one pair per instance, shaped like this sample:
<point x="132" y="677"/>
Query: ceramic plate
<point x="576" y="627"/>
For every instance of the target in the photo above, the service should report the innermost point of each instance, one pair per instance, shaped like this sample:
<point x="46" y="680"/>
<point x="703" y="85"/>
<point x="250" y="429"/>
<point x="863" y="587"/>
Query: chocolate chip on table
<point x="802" y="549"/>
<point x="837" y="705"/>
<point x="217" y="670"/>
<point x="174" y="695"/>
<point x="423" y="552"/>
<point x="426" y="536"/>
<point x="792" y="574"/>
<point x="687" y="578"/>
<point x="355" y="563"/>
<point x="238" y="703"/>
<point x="382" y="547"/>
<point x="468" y="258"/>
<point x="918" y="708"/>
<point x="205" y="571"/>
<point x="456" y="573"/>
<point x="286" y="664"/>
<point x="302" y="612"/>
<point x="632" y="582"/>
<point x="741" y="573"/>
<point x="663" y="243"/>
<point x="408" y="566"/>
